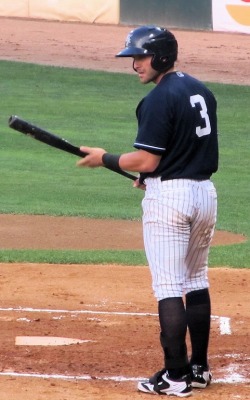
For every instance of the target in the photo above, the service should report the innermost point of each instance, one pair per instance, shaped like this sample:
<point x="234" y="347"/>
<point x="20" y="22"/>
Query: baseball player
<point x="176" y="152"/>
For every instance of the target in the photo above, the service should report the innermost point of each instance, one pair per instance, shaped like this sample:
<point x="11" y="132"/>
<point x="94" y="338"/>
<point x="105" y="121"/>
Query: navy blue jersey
<point x="177" y="120"/>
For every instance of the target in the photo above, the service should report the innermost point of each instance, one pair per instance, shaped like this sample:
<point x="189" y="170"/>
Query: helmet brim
<point x="133" y="51"/>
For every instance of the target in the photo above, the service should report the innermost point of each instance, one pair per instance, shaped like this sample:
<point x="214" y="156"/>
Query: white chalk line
<point x="51" y="311"/>
<point x="224" y="322"/>
<point x="225" y="325"/>
<point x="232" y="378"/>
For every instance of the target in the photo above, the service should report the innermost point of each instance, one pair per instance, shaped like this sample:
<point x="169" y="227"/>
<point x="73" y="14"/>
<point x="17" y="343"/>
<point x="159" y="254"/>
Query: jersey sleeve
<point x="155" y="116"/>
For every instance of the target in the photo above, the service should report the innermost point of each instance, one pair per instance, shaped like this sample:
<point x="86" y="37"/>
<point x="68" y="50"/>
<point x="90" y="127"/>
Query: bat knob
<point x="12" y="119"/>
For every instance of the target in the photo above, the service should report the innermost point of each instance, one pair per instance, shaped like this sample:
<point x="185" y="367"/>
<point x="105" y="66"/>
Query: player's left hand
<point x="139" y="185"/>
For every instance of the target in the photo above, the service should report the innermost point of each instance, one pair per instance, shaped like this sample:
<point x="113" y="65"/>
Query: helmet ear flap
<point x="164" y="59"/>
<point x="162" y="64"/>
<point x="165" y="50"/>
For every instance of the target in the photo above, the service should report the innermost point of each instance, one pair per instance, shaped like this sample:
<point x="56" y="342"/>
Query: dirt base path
<point x="110" y="307"/>
<point x="210" y="56"/>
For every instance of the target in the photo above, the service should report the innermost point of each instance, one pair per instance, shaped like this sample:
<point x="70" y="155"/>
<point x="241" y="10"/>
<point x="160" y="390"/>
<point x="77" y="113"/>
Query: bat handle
<point x="124" y="173"/>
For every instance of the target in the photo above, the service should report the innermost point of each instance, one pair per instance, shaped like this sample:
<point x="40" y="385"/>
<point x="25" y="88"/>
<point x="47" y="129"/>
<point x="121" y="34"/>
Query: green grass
<point x="134" y="257"/>
<point x="98" y="109"/>
<point x="82" y="106"/>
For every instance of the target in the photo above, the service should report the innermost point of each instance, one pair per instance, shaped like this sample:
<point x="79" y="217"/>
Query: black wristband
<point x="111" y="161"/>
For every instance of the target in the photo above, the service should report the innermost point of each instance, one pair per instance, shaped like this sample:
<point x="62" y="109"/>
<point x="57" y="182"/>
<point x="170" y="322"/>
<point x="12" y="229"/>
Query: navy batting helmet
<point x="152" y="40"/>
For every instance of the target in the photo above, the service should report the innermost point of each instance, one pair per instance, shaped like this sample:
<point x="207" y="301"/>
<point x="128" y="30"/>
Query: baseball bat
<point x="53" y="140"/>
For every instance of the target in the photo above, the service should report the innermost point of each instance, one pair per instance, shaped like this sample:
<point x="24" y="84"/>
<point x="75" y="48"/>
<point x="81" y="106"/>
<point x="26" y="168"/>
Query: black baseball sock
<point x="173" y="323"/>
<point x="198" y="311"/>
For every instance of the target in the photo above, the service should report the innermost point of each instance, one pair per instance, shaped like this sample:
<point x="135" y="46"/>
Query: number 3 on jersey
<point x="195" y="100"/>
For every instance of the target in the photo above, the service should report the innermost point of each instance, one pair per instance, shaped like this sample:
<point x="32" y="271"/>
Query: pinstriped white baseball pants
<point x="179" y="218"/>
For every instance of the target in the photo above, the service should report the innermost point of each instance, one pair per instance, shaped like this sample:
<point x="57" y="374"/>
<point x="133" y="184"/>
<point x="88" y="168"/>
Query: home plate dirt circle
<point x="111" y="309"/>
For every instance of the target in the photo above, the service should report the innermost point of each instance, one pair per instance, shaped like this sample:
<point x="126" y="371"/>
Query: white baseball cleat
<point x="162" y="384"/>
